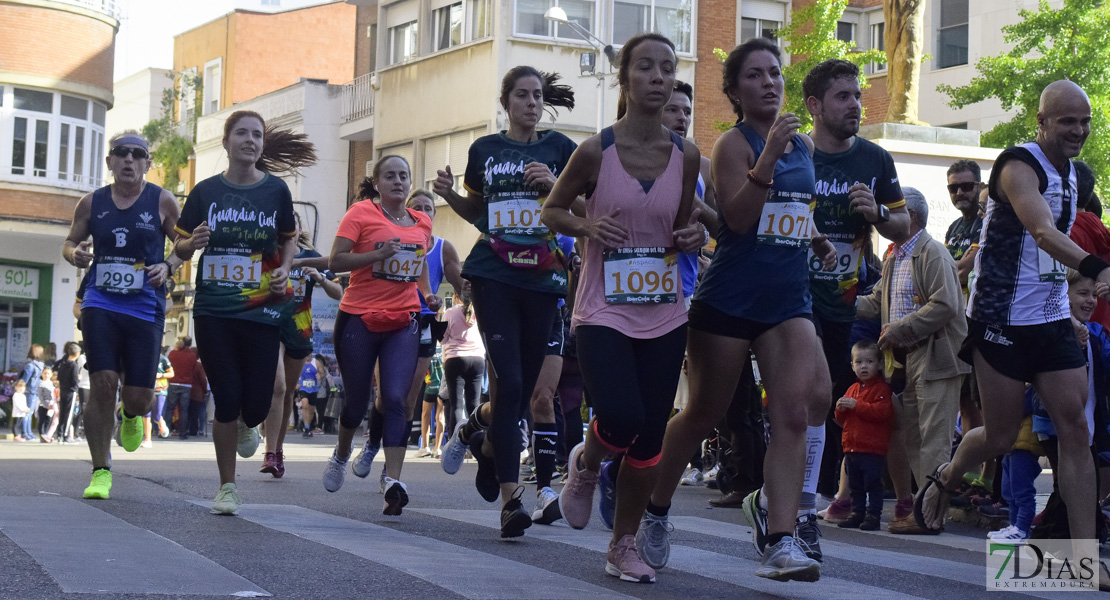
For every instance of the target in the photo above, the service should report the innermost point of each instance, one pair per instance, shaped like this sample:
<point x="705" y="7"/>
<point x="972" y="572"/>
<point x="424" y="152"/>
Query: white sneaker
<point x="248" y="440"/>
<point x="787" y="561"/>
<point x="692" y="476"/>
<point x="1008" y="533"/>
<point x="422" y="453"/>
<point x="361" y="466"/>
<point x="547" y="507"/>
<point x="653" y="540"/>
<point x="146" y="444"/>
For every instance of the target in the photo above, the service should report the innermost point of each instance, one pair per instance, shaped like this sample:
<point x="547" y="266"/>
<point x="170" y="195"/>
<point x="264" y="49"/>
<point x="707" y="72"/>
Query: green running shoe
<point x="227" y="501"/>
<point x="100" y="485"/>
<point x="130" y="432"/>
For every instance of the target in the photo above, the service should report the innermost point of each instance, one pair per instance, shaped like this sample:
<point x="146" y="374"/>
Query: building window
<point x="751" y="28"/>
<point x="477" y="17"/>
<point x="213" y="79"/>
<point x="49" y="134"/>
<point x="530" y="21"/>
<point x="846" y="32"/>
<point x="188" y="98"/>
<point x="878" y="42"/>
<point x="402" y="42"/>
<point x="761" y="18"/>
<point x="952" y="34"/>
<point x="447" y="26"/>
<point x="671" y="18"/>
<point x="33" y="100"/>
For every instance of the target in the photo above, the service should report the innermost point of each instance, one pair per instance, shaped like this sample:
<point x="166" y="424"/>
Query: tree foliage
<point x="171" y="140"/>
<point x="809" y="39"/>
<point x="1048" y="44"/>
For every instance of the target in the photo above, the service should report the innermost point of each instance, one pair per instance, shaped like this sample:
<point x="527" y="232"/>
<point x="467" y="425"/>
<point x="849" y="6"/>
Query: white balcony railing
<point x="358" y="98"/>
<point x="108" y="7"/>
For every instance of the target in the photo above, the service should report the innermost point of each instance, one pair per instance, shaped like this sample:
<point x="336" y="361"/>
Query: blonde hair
<point x="19" y="383"/>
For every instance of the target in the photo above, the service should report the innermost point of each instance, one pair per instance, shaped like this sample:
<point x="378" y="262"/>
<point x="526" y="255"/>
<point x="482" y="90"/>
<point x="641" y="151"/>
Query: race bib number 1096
<point x="641" y="276"/>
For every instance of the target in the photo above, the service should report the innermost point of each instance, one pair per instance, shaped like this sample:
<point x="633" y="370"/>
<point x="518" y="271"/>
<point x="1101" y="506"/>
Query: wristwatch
<point x="884" y="214"/>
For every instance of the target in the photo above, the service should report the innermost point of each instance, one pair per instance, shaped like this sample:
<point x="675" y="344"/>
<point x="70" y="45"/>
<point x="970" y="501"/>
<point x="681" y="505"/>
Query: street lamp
<point x="588" y="60"/>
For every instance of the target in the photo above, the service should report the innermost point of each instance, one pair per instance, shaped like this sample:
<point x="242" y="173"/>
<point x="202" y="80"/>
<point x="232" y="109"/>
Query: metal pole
<point x="600" y="102"/>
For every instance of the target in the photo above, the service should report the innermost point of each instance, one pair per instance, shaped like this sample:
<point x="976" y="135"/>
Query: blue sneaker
<point x="607" y="503"/>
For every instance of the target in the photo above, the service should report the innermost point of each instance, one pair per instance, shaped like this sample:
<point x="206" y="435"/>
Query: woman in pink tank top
<point x="630" y="317"/>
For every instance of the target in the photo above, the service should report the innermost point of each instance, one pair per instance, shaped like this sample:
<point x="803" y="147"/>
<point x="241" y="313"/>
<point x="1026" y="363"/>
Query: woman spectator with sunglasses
<point x="123" y="308"/>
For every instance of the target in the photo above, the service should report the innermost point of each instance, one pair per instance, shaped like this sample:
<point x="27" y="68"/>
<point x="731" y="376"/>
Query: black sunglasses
<point x="122" y="151"/>
<point x="966" y="186"/>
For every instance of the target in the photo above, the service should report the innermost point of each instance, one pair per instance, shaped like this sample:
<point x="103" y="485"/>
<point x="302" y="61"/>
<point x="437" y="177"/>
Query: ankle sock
<point x="102" y="469"/>
<point x="545" y="439"/>
<point x="774" y="538"/>
<point x="659" y="511"/>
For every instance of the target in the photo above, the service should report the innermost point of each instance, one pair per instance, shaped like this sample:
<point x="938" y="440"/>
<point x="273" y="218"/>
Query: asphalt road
<point x="293" y="540"/>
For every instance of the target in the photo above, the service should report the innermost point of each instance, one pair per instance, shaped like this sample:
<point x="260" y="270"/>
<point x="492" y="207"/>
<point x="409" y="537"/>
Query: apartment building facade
<point x="429" y="75"/>
<point x="53" y="106"/>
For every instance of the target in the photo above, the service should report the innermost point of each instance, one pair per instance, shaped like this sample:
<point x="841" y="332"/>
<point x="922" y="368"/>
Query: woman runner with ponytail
<point x="383" y="245"/>
<point x="517" y="275"/>
<point x="243" y="220"/>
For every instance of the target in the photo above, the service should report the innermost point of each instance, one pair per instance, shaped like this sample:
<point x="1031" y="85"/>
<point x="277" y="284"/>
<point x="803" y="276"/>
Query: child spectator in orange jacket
<point x="865" y="413"/>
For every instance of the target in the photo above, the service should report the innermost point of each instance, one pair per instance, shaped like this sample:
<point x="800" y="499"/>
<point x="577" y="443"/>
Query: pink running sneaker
<point x="837" y="512"/>
<point x="623" y="561"/>
<point x="576" y="503"/>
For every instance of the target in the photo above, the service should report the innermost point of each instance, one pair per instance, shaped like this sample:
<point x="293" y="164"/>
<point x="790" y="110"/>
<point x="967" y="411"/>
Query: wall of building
<point x="35" y="246"/>
<point x="270" y="51"/>
<point x="138" y="100"/>
<point x="57" y="46"/>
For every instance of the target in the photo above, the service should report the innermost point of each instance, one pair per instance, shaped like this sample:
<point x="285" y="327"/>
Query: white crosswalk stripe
<point x="114" y="557"/>
<point x="446" y="565"/>
<point x="729" y="569"/>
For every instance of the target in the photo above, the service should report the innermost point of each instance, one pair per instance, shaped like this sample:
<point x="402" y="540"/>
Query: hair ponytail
<point x="283" y="152"/>
<point x="555" y="95"/>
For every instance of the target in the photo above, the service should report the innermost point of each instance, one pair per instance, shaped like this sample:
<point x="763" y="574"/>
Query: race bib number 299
<point x="119" y="278"/>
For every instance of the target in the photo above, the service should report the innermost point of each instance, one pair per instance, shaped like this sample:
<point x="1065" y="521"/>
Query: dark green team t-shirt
<point x="247" y="222"/>
<point x="495" y="170"/>
<point x="834" y="293"/>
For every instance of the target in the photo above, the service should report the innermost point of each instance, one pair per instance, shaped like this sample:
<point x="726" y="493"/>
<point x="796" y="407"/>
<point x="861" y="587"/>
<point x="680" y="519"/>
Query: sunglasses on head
<point x="966" y="186"/>
<point x="122" y="151"/>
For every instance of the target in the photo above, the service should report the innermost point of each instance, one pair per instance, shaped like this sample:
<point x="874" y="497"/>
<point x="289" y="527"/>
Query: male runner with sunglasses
<point x="123" y="308"/>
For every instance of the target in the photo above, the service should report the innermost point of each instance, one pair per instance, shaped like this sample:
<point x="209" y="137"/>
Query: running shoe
<point x="361" y="466"/>
<point x="396" y="497"/>
<point x="248" y="440"/>
<point x="513" y="518"/>
<point x="757" y="518"/>
<point x="838" y="511"/>
<point x="787" y="561"/>
<point x="163" y="429"/>
<point x="808" y="535"/>
<point x="422" y="453"/>
<point x="100" y="486"/>
<point x="692" y="476"/>
<point x="624" y="562"/>
<point x="486" y="478"/>
<point x="130" y="432"/>
<point x="653" y="540"/>
<point x="577" y="500"/>
<point x="227" y="502"/>
<point x="272" y="464"/>
<point x="455" y="451"/>
<point x="1008" y="533"/>
<point x="607" y="502"/>
<point x="146" y="444"/>
<point x="547" y="507"/>
<point x="334" y="473"/>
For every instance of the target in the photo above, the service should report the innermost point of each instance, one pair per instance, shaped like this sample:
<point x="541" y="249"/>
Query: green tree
<point x="1048" y="44"/>
<point x="810" y="38"/>
<point x="171" y="149"/>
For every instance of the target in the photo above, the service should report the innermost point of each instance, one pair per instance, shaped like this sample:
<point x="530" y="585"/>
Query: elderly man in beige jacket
<point x="921" y="308"/>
